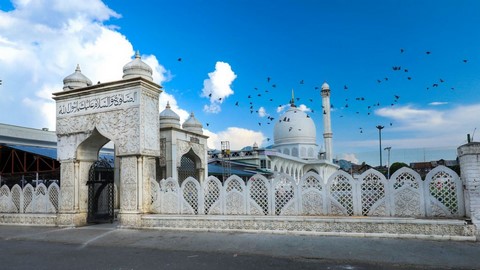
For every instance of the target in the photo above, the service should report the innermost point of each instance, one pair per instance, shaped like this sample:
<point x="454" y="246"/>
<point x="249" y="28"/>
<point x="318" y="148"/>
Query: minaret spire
<point x="327" y="126"/>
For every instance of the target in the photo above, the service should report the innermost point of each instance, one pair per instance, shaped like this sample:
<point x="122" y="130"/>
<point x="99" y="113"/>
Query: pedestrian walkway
<point x="395" y="252"/>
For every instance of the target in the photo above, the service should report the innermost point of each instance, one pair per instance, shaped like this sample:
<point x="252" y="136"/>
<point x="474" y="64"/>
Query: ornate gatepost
<point x="469" y="159"/>
<point x="89" y="116"/>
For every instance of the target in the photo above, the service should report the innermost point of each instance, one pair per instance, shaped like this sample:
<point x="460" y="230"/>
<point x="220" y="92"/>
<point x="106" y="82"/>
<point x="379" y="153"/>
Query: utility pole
<point x="379" y="127"/>
<point x="388" y="161"/>
<point x="226" y="165"/>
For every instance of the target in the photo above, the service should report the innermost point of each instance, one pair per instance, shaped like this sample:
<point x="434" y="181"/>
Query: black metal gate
<point x="100" y="193"/>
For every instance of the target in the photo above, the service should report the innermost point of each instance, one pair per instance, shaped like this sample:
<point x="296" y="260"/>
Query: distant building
<point x="423" y="168"/>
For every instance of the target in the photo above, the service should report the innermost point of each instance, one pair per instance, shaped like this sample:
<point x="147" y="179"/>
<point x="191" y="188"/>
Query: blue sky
<point x="230" y="48"/>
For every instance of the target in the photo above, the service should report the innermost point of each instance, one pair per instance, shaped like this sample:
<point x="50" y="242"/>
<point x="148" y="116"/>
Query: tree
<point x="395" y="166"/>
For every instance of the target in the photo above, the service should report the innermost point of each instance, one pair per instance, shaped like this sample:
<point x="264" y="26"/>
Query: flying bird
<point x="179" y="59"/>
<point x="427" y="52"/>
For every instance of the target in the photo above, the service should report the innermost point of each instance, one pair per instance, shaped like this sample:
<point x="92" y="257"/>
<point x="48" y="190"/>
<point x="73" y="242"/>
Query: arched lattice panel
<point x="5" y="199"/>
<point x="406" y="194"/>
<point x="41" y="199"/>
<point x="341" y="195"/>
<point x="155" y="206"/>
<point x="312" y="199"/>
<point x="444" y="193"/>
<point x="28" y="203"/>
<point x="170" y="196"/>
<point x="235" y="196"/>
<point x="373" y="199"/>
<point x="191" y="192"/>
<point x="259" y="196"/>
<point x="212" y="196"/>
<point x="53" y="198"/>
<point x="285" y="195"/>
<point x="17" y="199"/>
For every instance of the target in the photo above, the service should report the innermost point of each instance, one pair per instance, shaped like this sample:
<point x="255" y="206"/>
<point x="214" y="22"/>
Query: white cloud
<point x="41" y="43"/>
<point x="262" y="112"/>
<point x="281" y="108"/>
<point x="350" y="157"/>
<point x="437" y="103"/>
<point x="421" y="128"/>
<point x="218" y="86"/>
<point x="238" y="138"/>
<point x="412" y="118"/>
<point x="304" y="108"/>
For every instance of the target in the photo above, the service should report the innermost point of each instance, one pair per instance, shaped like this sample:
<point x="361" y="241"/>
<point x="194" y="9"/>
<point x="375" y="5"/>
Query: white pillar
<point x="469" y="159"/>
<point x="327" y="126"/>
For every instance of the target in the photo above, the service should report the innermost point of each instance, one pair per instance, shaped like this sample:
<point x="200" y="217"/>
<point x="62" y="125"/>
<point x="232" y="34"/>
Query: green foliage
<point x="395" y="166"/>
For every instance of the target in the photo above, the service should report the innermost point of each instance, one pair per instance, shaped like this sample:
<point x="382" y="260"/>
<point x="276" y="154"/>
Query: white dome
<point x="76" y="80"/>
<point x="193" y="125"/>
<point x="169" y="118"/>
<point x="137" y="68"/>
<point x="294" y="127"/>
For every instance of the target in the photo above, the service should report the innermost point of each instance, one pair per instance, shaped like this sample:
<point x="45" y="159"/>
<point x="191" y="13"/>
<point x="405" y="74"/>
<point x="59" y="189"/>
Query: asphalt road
<point x="106" y="247"/>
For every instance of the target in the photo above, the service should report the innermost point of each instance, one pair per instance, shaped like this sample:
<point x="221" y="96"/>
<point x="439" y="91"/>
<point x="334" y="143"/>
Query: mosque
<point x="294" y="152"/>
<point x="183" y="147"/>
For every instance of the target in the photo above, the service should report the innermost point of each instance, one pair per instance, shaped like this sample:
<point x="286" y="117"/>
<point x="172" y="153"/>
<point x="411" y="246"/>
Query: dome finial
<point x="292" y="101"/>
<point x="78" y="68"/>
<point x="168" y="105"/>
<point x="325" y="86"/>
<point x="137" y="54"/>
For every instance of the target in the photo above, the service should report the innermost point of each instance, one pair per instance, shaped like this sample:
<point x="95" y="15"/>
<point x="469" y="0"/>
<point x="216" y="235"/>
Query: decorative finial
<point x="78" y="68"/>
<point x="137" y="55"/>
<point x="168" y="105"/>
<point x="292" y="101"/>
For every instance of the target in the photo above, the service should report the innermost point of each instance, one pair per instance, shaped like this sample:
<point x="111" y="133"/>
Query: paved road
<point x="106" y="247"/>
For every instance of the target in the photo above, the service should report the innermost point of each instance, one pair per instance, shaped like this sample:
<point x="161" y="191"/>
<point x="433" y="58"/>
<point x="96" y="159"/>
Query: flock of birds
<point x="256" y="99"/>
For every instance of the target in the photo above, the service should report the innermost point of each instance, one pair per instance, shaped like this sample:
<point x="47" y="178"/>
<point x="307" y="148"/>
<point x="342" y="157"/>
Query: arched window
<point x="303" y="152"/>
<point x="188" y="167"/>
<point x="310" y="152"/>
<point x="295" y="152"/>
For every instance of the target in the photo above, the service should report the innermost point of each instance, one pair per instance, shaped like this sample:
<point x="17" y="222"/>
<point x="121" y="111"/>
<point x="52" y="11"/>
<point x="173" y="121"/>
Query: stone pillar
<point x="136" y="172"/>
<point x="469" y="159"/>
<point x="69" y="214"/>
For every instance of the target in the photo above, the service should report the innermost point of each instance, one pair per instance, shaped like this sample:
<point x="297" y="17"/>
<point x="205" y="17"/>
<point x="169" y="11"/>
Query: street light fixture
<point x="388" y="161"/>
<point x="379" y="127"/>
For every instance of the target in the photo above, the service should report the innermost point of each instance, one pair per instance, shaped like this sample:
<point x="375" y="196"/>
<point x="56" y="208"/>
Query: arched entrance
<point x="188" y="166"/>
<point x="101" y="192"/>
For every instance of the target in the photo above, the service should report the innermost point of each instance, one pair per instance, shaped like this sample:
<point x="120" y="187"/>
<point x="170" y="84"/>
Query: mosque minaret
<point x="327" y="126"/>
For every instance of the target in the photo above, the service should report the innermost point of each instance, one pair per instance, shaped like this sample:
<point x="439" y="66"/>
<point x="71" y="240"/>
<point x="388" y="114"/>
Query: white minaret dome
<point x="76" y="80"/>
<point x="294" y="127"/>
<point x="168" y="118"/>
<point x="137" y="68"/>
<point x="325" y="86"/>
<point x="193" y="125"/>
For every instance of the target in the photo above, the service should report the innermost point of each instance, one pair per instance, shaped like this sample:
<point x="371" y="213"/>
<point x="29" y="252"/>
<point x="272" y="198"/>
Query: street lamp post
<point x="379" y="127"/>
<point x="388" y="161"/>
